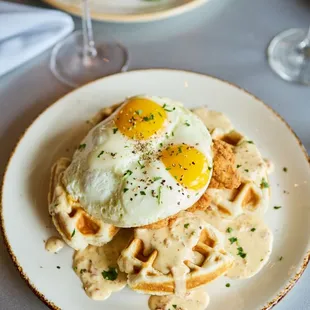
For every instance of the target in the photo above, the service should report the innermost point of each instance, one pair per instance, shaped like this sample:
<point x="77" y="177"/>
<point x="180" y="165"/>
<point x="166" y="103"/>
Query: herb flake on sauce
<point x="82" y="146"/>
<point x="233" y="239"/>
<point x="111" y="274"/>
<point x="264" y="184"/>
<point x="229" y="230"/>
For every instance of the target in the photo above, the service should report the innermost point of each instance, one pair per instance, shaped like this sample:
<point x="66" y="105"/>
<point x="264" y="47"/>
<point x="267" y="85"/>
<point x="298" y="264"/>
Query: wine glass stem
<point x="305" y="43"/>
<point x="89" y="49"/>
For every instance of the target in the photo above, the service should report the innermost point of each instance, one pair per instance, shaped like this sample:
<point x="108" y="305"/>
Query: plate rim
<point x="132" y="18"/>
<point x="268" y="304"/>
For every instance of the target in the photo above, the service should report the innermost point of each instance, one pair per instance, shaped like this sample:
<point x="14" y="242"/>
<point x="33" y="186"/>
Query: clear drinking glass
<point x="289" y="55"/>
<point x="78" y="59"/>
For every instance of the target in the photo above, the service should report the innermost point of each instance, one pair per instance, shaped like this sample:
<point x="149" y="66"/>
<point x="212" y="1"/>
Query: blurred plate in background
<point x="127" y="11"/>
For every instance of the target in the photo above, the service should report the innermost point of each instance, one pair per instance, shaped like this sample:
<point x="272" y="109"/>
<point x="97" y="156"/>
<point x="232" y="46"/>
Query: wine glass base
<point x="286" y="57"/>
<point x="70" y="67"/>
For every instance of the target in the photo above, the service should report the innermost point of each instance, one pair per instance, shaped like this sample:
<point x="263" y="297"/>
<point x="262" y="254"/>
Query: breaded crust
<point x="224" y="175"/>
<point x="201" y="205"/>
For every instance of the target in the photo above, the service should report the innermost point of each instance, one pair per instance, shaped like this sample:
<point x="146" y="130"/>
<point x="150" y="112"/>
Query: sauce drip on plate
<point x="54" y="244"/>
<point x="97" y="267"/>
<point x="194" y="300"/>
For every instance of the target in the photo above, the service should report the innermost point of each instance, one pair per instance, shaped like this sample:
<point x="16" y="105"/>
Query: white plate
<point x="57" y="131"/>
<point x="127" y="11"/>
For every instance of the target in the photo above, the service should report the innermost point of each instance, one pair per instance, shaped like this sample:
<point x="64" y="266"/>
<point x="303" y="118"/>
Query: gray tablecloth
<point x="226" y="38"/>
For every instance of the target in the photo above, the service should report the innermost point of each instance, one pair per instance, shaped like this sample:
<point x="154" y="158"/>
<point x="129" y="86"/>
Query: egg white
<point x="97" y="175"/>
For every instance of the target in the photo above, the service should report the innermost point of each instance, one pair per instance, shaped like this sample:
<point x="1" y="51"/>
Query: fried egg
<point x="149" y="160"/>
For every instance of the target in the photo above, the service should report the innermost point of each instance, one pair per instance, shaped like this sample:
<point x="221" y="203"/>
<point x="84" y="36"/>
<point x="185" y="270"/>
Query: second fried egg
<point x="149" y="160"/>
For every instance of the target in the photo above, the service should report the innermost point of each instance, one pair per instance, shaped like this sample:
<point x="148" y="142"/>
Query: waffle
<point x="252" y="193"/>
<point x="235" y="188"/>
<point x="247" y="198"/>
<point x="77" y="228"/>
<point x="199" y="259"/>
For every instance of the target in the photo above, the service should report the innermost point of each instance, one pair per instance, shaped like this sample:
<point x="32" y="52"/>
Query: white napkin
<point x="27" y="31"/>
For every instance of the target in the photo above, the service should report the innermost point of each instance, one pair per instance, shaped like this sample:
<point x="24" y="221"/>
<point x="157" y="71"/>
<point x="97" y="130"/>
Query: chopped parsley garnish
<point x="75" y="268"/>
<point x="246" y="170"/>
<point x="277" y="207"/>
<point x="159" y="195"/>
<point x="280" y="258"/>
<point x="167" y="109"/>
<point x="110" y="274"/>
<point x="82" y="271"/>
<point x="233" y="239"/>
<point x="156" y="179"/>
<point x="125" y="190"/>
<point x="73" y="233"/>
<point x="100" y="154"/>
<point x="142" y="193"/>
<point x="151" y="117"/>
<point x="115" y="130"/>
<point x="227" y="285"/>
<point x="82" y="146"/>
<point x="127" y="173"/>
<point x="139" y="112"/>
<point x="209" y="168"/>
<point x="141" y="165"/>
<point x="186" y="225"/>
<point x="229" y="230"/>
<point x="238" y="166"/>
<point x="168" y="168"/>
<point x="187" y="124"/>
<point x="180" y="149"/>
<point x="240" y="252"/>
<point x="284" y="169"/>
<point x="251" y="142"/>
<point x="264" y="184"/>
<point x="160" y="144"/>
<point x="174" y="306"/>
<point x="253" y="229"/>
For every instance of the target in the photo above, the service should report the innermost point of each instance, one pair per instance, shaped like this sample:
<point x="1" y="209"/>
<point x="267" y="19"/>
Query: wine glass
<point x="289" y="55"/>
<point x="77" y="59"/>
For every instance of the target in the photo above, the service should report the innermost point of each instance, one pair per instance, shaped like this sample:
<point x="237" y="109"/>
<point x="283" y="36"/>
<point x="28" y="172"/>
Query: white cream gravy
<point x="253" y="236"/>
<point x="97" y="267"/>
<point x="250" y="163"/>
<point x="216" y="122"/>
<point x="193" y="300"/>
<point x="174" y="245"/>
<point x="54" y="244"/>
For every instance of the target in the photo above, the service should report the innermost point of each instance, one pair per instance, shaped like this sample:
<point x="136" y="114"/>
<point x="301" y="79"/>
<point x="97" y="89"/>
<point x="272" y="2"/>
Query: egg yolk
<point x="187" y="165"/>
<point x="140" y="118"/>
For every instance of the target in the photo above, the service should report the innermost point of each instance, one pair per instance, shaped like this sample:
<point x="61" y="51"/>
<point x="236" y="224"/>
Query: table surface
<point x="225" y="38"/>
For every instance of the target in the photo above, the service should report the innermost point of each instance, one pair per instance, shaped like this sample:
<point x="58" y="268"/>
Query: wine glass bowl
<point x="71" y="66"/>
<point x="78" y="59"/>
<point x="289" y="55"/>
